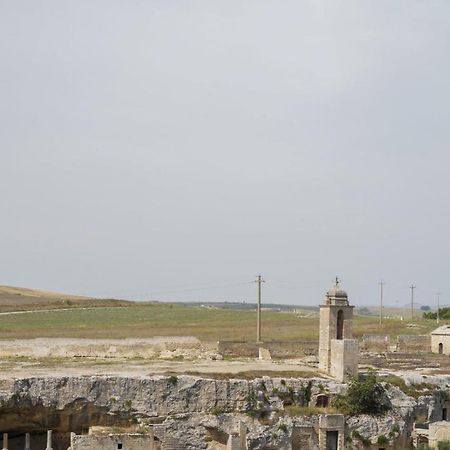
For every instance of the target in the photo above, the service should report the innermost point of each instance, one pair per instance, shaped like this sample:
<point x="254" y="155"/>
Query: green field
<point x="157" y="319"/>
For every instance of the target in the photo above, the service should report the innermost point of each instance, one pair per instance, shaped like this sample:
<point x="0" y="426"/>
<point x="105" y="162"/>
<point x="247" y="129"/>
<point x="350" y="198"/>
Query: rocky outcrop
<point x="199" y="412"/>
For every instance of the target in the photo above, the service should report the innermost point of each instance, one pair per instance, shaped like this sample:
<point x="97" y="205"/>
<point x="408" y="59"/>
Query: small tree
<point x="365" y="395"/>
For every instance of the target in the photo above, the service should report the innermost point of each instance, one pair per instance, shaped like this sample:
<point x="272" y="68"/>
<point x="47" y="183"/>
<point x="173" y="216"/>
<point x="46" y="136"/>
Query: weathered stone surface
<point x="197" y="413"/>
<point x="158" y="346"/>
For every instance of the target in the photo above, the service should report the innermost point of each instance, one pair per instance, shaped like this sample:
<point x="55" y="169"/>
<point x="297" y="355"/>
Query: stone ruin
<point x="423" y="421"/>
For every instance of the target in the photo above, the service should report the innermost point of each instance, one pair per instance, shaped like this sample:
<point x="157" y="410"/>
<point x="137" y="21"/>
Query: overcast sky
<point x="174" y="149"/>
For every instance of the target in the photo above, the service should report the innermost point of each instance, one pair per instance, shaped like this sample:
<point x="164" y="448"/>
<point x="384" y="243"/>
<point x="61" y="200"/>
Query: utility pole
<point x="259" y="281"/>
<point x="412" y="287"/>
<point x="381" y="283"/>
<point x="438" y="295"/>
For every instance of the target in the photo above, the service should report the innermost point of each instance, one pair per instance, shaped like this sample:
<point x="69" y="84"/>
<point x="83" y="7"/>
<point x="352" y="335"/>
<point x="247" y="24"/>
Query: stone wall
<point x="277" y="349"/>
<point x="439" y="431"/>
<point x="409" y="343"/>
<point x="111" y="442"/>
<point x="375" y="343"/>
<point x="101" y="348"/>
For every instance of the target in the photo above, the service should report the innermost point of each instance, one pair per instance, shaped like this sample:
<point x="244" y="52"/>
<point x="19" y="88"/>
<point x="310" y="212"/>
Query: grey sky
<point x="151" y="148"/>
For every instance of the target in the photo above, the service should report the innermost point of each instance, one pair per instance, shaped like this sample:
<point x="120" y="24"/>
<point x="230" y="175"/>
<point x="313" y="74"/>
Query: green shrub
<point x="364" y="441"/>
<point x="356" y="434"/>
<point x="444" y="313"/>
<point x="365" y="395"/>
<point x="173" y="380"/>
<point x="299" y="411"/>
<point x="382" y="440"/>
<point x="217" y="410"/>
<point x="282" y="427"/>
<point x="395" y="430"/>
<point x="128" y="404"/>
<point x="444" y="445"/>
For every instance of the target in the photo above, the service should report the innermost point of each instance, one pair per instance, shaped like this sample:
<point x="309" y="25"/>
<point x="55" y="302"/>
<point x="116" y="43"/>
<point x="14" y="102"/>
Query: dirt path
<point x="138" y="368"/>
<point x="29" y="311"/>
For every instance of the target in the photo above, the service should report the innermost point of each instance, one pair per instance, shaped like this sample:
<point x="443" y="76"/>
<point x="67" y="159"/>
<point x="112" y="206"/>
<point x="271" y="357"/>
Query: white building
<point x="440" y="340"/>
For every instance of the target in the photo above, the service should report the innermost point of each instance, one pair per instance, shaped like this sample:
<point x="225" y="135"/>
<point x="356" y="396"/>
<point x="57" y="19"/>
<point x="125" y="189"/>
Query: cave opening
<point x="76" y="417"/>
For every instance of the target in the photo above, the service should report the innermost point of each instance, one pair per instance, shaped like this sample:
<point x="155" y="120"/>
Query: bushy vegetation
<point x="395" y="430"/>
<point x="444" y="313"/>
<point x="217" y="410"/>
<point x="364" y="441"/>
<point x="302" y="411"/>
<point x="365" y="395"/>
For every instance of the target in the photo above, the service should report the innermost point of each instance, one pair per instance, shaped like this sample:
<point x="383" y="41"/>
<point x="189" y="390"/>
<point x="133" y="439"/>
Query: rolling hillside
<point x="20" y="299"/>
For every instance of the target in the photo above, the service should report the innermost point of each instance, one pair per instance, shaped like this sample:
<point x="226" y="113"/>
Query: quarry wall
<point x="194" y="411"/>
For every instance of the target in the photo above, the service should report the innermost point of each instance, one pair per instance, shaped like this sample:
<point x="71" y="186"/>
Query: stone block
<point x="264" y="354"/>
<point x="344" y="359"/>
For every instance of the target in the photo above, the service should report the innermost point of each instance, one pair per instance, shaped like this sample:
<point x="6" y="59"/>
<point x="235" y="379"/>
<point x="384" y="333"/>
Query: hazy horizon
<point x="177" y="149"/>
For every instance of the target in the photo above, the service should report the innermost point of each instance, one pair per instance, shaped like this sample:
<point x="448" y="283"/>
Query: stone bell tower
<point x="338" y="351"/>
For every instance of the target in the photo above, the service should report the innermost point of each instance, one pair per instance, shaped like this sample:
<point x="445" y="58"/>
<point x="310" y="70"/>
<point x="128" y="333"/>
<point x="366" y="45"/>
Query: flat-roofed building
<point x="440" y="340"/>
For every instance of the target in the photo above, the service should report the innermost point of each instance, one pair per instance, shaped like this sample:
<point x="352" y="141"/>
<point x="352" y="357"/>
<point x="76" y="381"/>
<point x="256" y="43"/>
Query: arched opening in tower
<point x="340" y="324"/>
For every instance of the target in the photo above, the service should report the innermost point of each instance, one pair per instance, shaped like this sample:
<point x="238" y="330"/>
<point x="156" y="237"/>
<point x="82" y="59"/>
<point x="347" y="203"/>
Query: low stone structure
<point x="440" y="340"/>
<point x="438" y="431"/>
<point x="128" y="441"/>
<point x="264" y="354"/>
<point x="277" y="349"/>
<point x="332" y="432"/>
<point x="375" y="343"/>
<point x="412" y="343"/>
<point x="165" y="346"/>
<point x="304" y="437"/>
<point x="239" y="441"/>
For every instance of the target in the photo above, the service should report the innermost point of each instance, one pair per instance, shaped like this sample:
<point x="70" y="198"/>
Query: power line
<point x="412" y="287"/>
<point x="259" y="281"/>
<point x="381" y="283"/>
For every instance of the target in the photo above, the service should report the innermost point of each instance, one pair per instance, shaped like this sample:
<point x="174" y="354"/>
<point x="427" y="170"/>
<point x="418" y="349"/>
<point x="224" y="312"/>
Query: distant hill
<point x="16" y="292"/>
<point x="20" y="299"/>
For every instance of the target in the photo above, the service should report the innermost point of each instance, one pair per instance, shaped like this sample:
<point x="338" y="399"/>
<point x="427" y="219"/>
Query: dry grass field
<point x="23" y="299"/>
<point x="90" y="318"/>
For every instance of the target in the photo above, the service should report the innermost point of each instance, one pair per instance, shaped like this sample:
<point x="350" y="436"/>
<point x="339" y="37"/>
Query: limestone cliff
<point x="197" y="412"/>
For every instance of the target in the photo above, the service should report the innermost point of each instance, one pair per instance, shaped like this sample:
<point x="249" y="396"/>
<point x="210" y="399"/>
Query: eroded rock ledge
<point x="200" y="412"/>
